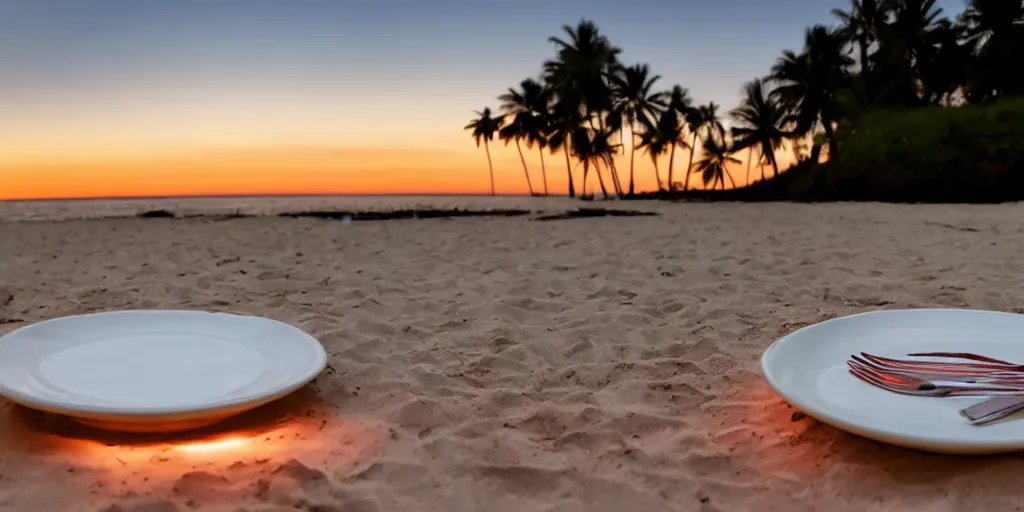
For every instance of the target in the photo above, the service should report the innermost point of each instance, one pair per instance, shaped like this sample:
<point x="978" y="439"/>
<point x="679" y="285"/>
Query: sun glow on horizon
<point x="324" y="169"/>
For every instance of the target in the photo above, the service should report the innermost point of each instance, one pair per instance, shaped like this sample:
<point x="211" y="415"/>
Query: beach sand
<point x="505" y="364"/>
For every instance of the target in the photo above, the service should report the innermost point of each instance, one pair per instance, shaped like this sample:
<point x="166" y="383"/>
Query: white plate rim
<point x="925" y="442"/>
<point x="235" y="403"/>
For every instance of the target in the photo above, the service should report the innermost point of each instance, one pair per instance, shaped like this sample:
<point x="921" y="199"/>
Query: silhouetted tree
<point x="761" y="121"/>
<point x="483" y="128"/>
<point x="703" y="118"/>
<point x="861" y="25"/>
<point x="809" y="83"/>
<point x="636" y="103"/>
<point x="522" y="123"/>
<point x="579" y="75"/>
<point x="592" y="149"/>
<point x="563" y="119"/>
<point x="672" y="125"/>
<point x="655" y="144"/>
<point x="994" y="30"/>
<point x="716" y="155"/>
<point x="907" y="54"/>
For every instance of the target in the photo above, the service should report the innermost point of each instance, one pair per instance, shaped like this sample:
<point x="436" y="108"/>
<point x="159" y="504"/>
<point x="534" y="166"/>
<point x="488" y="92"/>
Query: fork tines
<point x="943" y="367"/>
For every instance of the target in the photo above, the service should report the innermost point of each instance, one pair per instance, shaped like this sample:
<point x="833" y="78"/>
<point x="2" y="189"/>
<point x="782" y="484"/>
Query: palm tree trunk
<point x="523" y="159"/>
<point x="815" y="153"/>
<point x="600" y="180"/>
<point x="611" y="167"/>
<point x="615" y="177"/>
<point x="586" y="170"/>
<point x="568" y="170"/>
<point x="543" y="170"/>
<point x="830" y="135"/>
<point x="671" y="157"/>
<point x="632" y="156"/>
<point x="622" y="144"/>
<point x="750" y="159"/>
<point x="657" y="174"/>
<point x="693" y="148"/>
<point x="729" y="174"/>
<point x="490" y="165"/>
<point x="862" y="41"/>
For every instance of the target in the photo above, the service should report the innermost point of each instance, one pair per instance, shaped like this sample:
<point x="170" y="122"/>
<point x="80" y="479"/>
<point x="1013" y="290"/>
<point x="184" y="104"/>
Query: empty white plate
<point x="808" y="369"/>
<point x="155" y="370"/>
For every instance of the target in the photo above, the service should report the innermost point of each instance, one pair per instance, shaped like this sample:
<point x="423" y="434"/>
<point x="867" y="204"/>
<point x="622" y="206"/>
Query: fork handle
<point x="993" y="409"/>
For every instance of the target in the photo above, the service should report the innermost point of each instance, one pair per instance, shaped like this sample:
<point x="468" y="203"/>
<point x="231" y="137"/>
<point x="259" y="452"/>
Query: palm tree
<point x="483" y="127"/>
<point x="654" y="142"/>
<point x="809" y="84"/>
<point x="908" y="55"/>
<point x="861" y="24"/>
<point x="636" y="105"/>
<point x="714" y="163"/>
<point x="903" y="43"/>
<point x="946" y="68"/>
<point x="580" y="73"/>
<point x="704" y="117"/>
<point x="761" y="121"/>
<point x="539" y="99"/>
<point x="515" y="130"/>
<point x="713" y="123"/>
<point x="592" y="149"/>
<point x="524" y="123"/>
<point x="612" y="126"/>
<point x="995" y="30"/>
<point x="672" y="124"/>
<point x="671" y="129"/>
<point x="582" y="64"/>
<point x="911" y="21"/>
<point x="563" y="120"/>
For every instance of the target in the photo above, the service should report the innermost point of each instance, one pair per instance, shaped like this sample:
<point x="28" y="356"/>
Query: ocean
<point x="65" y="209"/>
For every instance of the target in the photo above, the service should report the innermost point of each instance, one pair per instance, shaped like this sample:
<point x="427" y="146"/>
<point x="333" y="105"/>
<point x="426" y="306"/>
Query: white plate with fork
<point x="155" y="370"/>
<point x="808" y="368"/>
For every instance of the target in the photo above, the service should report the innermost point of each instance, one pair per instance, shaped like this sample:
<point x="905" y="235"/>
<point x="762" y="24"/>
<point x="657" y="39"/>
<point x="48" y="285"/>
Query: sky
<point x="103" y="98"/>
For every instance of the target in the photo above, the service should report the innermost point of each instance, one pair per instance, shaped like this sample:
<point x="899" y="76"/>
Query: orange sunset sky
<point x="151" y="98"/>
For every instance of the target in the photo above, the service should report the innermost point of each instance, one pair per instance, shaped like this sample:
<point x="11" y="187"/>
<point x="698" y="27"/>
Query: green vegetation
<point x="932" y="154"/>
<point x="909" y="105"/>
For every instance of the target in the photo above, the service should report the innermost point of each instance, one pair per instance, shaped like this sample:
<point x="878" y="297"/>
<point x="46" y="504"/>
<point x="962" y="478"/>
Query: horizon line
<point x="244" y="195"/>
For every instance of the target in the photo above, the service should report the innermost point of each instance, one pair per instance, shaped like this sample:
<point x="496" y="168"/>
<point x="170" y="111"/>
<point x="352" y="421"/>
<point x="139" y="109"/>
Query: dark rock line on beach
<point x="348" y="216"/>
<point x="405" y="214"/>
<point x="582" y="213"/>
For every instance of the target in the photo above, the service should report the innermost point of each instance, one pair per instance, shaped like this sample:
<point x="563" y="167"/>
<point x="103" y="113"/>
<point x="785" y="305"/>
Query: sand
<point x="505" y="364"/>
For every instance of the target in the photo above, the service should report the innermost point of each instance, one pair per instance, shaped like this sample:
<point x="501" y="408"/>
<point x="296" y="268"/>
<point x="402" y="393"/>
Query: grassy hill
<point x="940" y="155"/>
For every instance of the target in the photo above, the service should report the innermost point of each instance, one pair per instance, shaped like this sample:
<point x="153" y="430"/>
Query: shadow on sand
<point x="25" y="428"/>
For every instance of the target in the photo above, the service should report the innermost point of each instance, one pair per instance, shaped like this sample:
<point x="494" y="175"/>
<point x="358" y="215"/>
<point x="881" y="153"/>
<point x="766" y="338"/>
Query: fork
<point x="940" y="373"/>
<point x="916" y="386"/>
<point x="997" y="368"/>
<point x="965" y="378"/>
